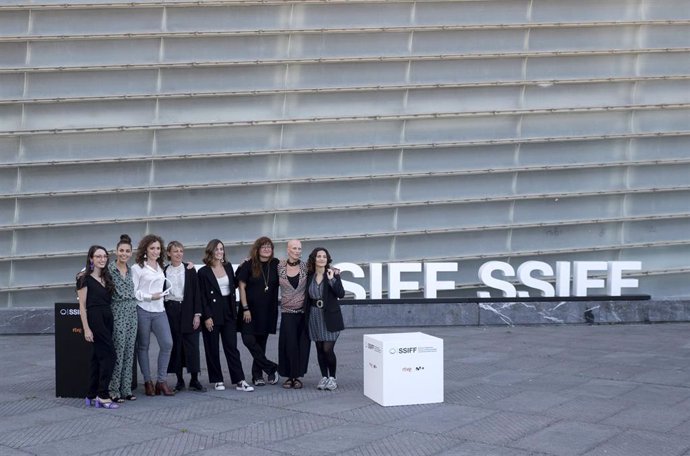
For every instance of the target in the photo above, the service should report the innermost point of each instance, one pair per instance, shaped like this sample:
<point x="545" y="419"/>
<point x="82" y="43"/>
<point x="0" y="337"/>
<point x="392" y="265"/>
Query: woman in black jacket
<point x="219" y="313"/>
<point x="183" y="307"/>
<point x="324" y="288"/>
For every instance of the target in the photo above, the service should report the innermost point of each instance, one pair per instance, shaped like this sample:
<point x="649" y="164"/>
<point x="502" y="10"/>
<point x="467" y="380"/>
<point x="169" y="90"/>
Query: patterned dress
<point x="124" y="308"/>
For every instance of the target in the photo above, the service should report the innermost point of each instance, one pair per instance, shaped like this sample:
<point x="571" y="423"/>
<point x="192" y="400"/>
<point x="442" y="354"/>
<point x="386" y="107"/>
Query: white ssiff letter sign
<point x="531" y="274"/>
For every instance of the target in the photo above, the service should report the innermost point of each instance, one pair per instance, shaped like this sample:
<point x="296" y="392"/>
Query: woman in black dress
<point x="95" y="289"/>
<point x="324" y="317"/>
<point x="219" y="313"/>
<point x="259" y="287"/>
<point x="293" y="342"/>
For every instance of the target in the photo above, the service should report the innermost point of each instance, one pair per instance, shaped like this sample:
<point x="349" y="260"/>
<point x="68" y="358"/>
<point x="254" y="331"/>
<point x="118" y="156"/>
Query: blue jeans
<point x="156" y="323"/>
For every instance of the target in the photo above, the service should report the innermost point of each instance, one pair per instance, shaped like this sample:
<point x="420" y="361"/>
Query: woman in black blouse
<point x="259" y="288"/>
<point x="94" y="289"/>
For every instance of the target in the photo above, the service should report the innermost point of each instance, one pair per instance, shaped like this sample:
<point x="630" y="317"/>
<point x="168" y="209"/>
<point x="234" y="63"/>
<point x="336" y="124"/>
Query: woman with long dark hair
<point x="124" y="308"/>
<point x="325" y="318"/>
<point x="219" y="313"/>
<point x="94" y="289"/>
<point x="259" y="288"/>
<point x="149" y="284"/>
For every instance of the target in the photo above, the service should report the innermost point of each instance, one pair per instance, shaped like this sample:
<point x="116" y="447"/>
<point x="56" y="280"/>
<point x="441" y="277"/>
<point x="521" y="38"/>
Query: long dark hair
<point x="144" y="244"/>
<point x="254" y="254"/>
<point x="311" y="262"/>
<point x="105" y="272"/>
<point x="210" y="249"/>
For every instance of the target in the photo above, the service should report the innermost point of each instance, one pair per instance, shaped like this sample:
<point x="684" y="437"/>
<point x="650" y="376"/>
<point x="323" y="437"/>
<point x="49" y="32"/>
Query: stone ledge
<point x="40" y="320"/>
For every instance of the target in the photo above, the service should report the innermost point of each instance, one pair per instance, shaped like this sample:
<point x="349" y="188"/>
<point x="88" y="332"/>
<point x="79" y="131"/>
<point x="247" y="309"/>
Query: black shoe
<point x="259" y="381"/>
<point x="180" y="386"/>
<point x="194" y="385"/>
<point x="273" y="378"/>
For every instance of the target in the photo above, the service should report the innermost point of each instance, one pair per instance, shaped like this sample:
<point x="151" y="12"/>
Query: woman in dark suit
<point x="183" y="307"/>
<point x="324" y="316"/>
<point x="219" y="312"/>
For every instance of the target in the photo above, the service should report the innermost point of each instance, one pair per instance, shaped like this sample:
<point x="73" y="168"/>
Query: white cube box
<point x="403" y="368"/>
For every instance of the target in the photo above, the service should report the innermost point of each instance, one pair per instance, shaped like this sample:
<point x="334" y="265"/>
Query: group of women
<point x="121" y="306"/>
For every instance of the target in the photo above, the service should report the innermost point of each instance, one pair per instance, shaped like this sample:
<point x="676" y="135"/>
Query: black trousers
<point x="100" y="320"/>
<point x="256" y="344"/>
<point x="185" y="351"/>
<point x="227" y="332"/>
<point x="293" y="346"/>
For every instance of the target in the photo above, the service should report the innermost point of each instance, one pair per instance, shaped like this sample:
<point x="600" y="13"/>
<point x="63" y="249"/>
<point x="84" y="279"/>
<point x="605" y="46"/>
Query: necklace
<point x="265" y="276"/>
<point x="290" y="263"/>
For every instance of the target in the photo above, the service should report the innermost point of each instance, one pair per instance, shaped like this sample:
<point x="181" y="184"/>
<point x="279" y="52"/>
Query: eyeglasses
<point x="100" y="257"/>
<point x="267" y="247"/>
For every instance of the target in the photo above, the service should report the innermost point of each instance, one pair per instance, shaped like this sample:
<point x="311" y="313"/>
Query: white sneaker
<point x="244" y="386"/>
<point x="331" y="384"/>
<point x="219" y="386"/>
<point x="322" y="384"/>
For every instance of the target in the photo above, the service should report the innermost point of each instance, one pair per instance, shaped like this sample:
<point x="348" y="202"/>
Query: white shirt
<point x="148" y="281"/>
<point x="175" y="275"/>
<point x="224" y="285"/>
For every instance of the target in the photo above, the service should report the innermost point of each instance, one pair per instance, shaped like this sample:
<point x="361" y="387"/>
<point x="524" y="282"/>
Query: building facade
<point x="389" y="131"/>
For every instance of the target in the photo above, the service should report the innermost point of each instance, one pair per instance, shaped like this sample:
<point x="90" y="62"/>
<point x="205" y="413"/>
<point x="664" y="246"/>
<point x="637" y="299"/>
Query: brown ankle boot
<point x="148" y="388"/>
<point x="163" y="388"/>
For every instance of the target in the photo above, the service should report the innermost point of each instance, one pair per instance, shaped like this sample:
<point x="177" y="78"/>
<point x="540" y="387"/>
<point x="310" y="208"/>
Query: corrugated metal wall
<point x="387" y="130"/>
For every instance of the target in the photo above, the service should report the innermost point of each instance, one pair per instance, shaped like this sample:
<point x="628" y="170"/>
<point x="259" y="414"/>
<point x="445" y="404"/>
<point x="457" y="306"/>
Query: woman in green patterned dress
<point x="124" y="307"/>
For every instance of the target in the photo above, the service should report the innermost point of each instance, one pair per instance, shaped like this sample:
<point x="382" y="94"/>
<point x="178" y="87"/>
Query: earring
<point x="144" y="256"/>
<point x="91" y="265"/>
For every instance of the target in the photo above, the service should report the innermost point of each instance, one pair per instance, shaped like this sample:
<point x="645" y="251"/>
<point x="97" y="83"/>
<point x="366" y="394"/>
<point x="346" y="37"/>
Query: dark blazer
<point x="212" y="302"/>
<point x="331" y="308"/>
<point x="191" y="303"/>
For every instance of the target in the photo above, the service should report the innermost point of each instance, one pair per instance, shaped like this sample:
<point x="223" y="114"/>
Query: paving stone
<point x="42" y="417"/>
<point x="404" y="444"/>
<point x="613" y="372"/>
<point x="567" y="438"/>
<point x="335" y="439"/>
<point x="509" y="377"/>
<point x="231" y="419"/>
<point x="116" y="439"/>
<point x="603" y="388"/>
<point x="58" y="431"/>
<point x="237" y="449"/>
<point x="280" y="429"/>
<point x="325" y="406"/>
<point x="672" y="377"/>
<point x="377" y="414"/>
<point x="649" y="417"/>
<point x="186" y="410"/>
<point x="23" y="406"/>
<point x="529" y="401"/>
<point x="482" y="449"/>
<point x="501" y="427"/>
<point x="656" y="394"/>
<point x="642" y="443"/>
<point x="587" y="409"/>
<point x="441" y="419"/>
<point x="180" y="443"/>
<point x="552" y="382"/>
<point x="478" y="394"/>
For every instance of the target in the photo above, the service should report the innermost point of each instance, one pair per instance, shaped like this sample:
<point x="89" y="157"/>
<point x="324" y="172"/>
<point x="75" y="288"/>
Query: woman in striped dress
<point x="324" y="288"/>
<point x="293" y="343"/>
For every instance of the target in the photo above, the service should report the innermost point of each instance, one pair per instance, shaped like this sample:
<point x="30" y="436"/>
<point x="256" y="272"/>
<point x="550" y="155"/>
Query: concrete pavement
<point x="543" y="390"/>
